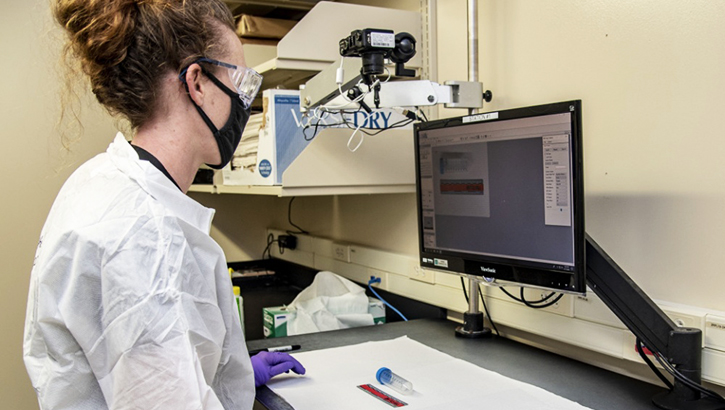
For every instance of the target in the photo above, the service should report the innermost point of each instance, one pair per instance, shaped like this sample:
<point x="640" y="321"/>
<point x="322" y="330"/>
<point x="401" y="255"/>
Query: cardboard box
<point x="275" y="320"/>
<point x="280" y="141"/>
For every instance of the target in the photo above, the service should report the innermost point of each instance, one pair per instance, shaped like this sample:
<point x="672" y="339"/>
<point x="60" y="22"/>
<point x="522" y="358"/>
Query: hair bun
<point x="99" y="30"/>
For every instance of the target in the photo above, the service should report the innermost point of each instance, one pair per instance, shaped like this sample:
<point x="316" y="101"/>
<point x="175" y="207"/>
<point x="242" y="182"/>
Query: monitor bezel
<point x="511" y="271"/>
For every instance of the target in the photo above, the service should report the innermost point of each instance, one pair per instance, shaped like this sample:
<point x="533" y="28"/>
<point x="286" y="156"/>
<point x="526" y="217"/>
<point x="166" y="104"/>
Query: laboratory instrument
<point x="386" y="377"/>
<point x="346" y="86"/>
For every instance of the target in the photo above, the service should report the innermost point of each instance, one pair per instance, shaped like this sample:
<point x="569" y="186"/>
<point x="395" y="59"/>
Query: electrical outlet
<point x="423" y="275"/>
<point x="287" y="242"/>
<point x="684" y="317"/>
<point x="715" y="332"/>
<point x="383" y="284"/>
<point x="341" y="252"/>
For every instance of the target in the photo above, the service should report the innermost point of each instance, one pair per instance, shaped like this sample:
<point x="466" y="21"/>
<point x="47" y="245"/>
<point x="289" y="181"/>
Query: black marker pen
<point x="287" y="348"/>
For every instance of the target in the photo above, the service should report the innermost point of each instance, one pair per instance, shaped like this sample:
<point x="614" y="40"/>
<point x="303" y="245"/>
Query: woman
<point x="130" y="303"/>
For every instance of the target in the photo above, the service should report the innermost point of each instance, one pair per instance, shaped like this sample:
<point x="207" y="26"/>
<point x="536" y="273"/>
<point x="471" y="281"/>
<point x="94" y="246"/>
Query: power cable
<point x="289" y="219"/>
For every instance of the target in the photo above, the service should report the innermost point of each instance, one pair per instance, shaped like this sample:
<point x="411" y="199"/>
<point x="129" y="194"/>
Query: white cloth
<point x="331" y="302"/>
<point x="130" y="303"/>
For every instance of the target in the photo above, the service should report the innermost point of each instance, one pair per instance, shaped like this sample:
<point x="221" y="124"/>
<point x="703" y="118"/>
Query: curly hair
<point x="125" y="47"/>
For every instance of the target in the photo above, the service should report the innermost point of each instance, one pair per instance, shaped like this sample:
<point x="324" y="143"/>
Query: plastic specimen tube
<point x="387" y="378"/>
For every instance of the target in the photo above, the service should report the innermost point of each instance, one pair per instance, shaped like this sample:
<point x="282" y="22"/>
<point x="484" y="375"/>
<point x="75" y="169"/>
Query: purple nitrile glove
<point x="269" y="364"/>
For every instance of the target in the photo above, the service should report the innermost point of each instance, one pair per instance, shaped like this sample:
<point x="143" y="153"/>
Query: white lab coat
<point x="130" y="303"/>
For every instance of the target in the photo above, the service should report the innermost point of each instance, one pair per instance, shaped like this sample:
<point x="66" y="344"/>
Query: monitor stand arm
<point x="682" y="347"/>
<point x="473" y="327"/>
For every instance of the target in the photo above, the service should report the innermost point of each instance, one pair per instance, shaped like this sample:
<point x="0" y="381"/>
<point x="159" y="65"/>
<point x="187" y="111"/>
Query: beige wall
<point x="379" y="221"/>
<point x="650" y="74"/>
<point x="33" y="169"/>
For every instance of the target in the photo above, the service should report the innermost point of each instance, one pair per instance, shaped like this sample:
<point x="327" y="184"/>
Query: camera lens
<point x="373" y="64"/>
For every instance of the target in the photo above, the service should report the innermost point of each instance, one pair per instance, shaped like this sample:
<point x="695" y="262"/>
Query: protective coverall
<point x="130" y="303"/>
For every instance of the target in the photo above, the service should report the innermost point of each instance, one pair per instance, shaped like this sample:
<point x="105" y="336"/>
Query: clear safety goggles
<point x="246" y="81"/>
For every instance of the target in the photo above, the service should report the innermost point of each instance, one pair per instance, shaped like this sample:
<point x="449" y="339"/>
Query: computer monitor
<point x="501" y="196"/>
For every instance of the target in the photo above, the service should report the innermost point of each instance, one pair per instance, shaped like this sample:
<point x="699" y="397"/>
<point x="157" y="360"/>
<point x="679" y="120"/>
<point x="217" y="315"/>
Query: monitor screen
<point x="501" y="196"/>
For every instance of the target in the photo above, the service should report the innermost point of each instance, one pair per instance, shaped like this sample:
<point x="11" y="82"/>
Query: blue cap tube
<point x="387" y="378"/>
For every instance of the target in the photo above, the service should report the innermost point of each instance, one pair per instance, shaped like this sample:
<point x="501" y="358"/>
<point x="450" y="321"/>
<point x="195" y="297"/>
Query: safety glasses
<point x="246" y="81"/>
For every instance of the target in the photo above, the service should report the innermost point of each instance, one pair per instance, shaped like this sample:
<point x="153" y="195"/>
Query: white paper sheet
<point x="440" y="381"/>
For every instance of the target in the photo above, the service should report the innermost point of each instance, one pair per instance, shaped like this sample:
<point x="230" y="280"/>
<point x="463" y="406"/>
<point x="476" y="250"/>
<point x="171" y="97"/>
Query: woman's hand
<point x="269" y="364"/>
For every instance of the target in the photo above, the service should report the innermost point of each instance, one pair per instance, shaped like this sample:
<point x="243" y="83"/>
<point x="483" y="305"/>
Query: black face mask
<point x="228" y="137"/>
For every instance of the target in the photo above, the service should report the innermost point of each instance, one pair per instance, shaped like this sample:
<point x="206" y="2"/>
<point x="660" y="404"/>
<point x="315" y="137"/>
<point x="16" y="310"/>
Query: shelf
<point x="203" y="188"/>
<point x="288" y="74"/>
<point x="271" y="8"/>
<point x="313" y="43"/>
<point x="384" y="164"/>
<point x="303" y="191"/>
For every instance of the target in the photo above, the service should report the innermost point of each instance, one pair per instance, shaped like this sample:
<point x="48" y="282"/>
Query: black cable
<point x="510" y="295"/>
<point x="317" y="125"/>
<point x="289" y="219"/>
<point x="655" y="370"/>
<point x="486" y="309"/>
<point x="348" y="124"/>
<point x="686" y="380"/>
<point x="314" y="134"/>
<point x="399" y="124"/>
<point x="376" y="131"/>
<point x="270" y="241"/>
<point x="538" y="303"/>
<point x="535" y="304"/>
<point x="552" y="303"/>
<point x="463" y="286"/>
<point x="425" y="117"/>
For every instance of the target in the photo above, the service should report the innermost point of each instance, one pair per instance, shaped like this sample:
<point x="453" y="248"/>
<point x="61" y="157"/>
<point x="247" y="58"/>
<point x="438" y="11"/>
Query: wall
<point x="379" y="221"/>
<point x="33" y="168"/>
<point x="650" y="77"/>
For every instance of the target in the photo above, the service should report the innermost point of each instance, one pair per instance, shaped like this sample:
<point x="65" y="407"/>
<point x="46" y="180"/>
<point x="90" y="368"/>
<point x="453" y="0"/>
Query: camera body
<point x="374" y="46"/>
<point x="361" y="42"/>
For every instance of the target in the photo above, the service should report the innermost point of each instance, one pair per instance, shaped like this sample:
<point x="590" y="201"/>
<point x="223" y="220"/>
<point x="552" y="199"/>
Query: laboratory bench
<point x="587" y="385"/>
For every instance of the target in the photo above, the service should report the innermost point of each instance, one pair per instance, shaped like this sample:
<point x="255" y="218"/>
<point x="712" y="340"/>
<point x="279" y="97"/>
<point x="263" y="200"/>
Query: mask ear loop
<point x="204" y="117"/>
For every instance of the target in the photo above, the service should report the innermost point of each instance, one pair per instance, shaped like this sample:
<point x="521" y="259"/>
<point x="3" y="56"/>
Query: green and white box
<point x="377" y="309"/>
<point x="276" y="319"/>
